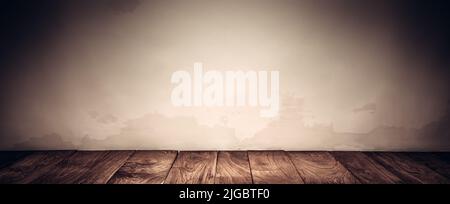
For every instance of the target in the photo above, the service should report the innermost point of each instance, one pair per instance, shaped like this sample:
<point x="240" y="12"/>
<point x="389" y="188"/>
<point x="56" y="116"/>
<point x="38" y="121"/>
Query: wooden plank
<point x="365" y="169"/>
<point x="433" y="161"/>
<point x="145" y="167"/>
<point x="233" y="168"/>
<point x="321" y="168"/>
<point x="407" y="169"/>
<point x="272" y="167"/>
<point x="32" y="166"/>
<point x="9" y="157"/>
<point x="105" y="167"/>
<point x="193" y="168"/>
<point x="72" y="168"/>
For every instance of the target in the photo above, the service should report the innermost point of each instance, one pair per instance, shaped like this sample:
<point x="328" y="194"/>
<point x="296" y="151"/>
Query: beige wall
<point x="349" y="79"/>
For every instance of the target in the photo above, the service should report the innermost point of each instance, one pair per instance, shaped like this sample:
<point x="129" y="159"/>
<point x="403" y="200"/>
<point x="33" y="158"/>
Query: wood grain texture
<point x="72" y="168"/>
<point x="272" y="167"/>
<point x="145" y="167"/>
<point x="233" y="168"/>
<point x="407" y="169"/>
<point x="193" y="168"/>
<point x="32" y="166"/>
<point x="321" y="168"/>
<point x="225" y="167"/>
<point x="365" y="169"/>
<point x="105" y="167"/>
<point x="433" y="161"/>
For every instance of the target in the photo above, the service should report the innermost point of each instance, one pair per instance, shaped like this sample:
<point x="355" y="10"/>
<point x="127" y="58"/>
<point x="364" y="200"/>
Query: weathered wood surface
<point x="71" y="169"/>
<point x="193" y="168"/>
<point x="273" y="167"/>
<point x="233" y="168"/>
<point x="223" y="167"/>
<point x="31" y="167"/>
<point x="407" y="169"/>
<point x="145" y="167"/>
<point x="321" y="168"/>
<point x="365" y="168"/>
